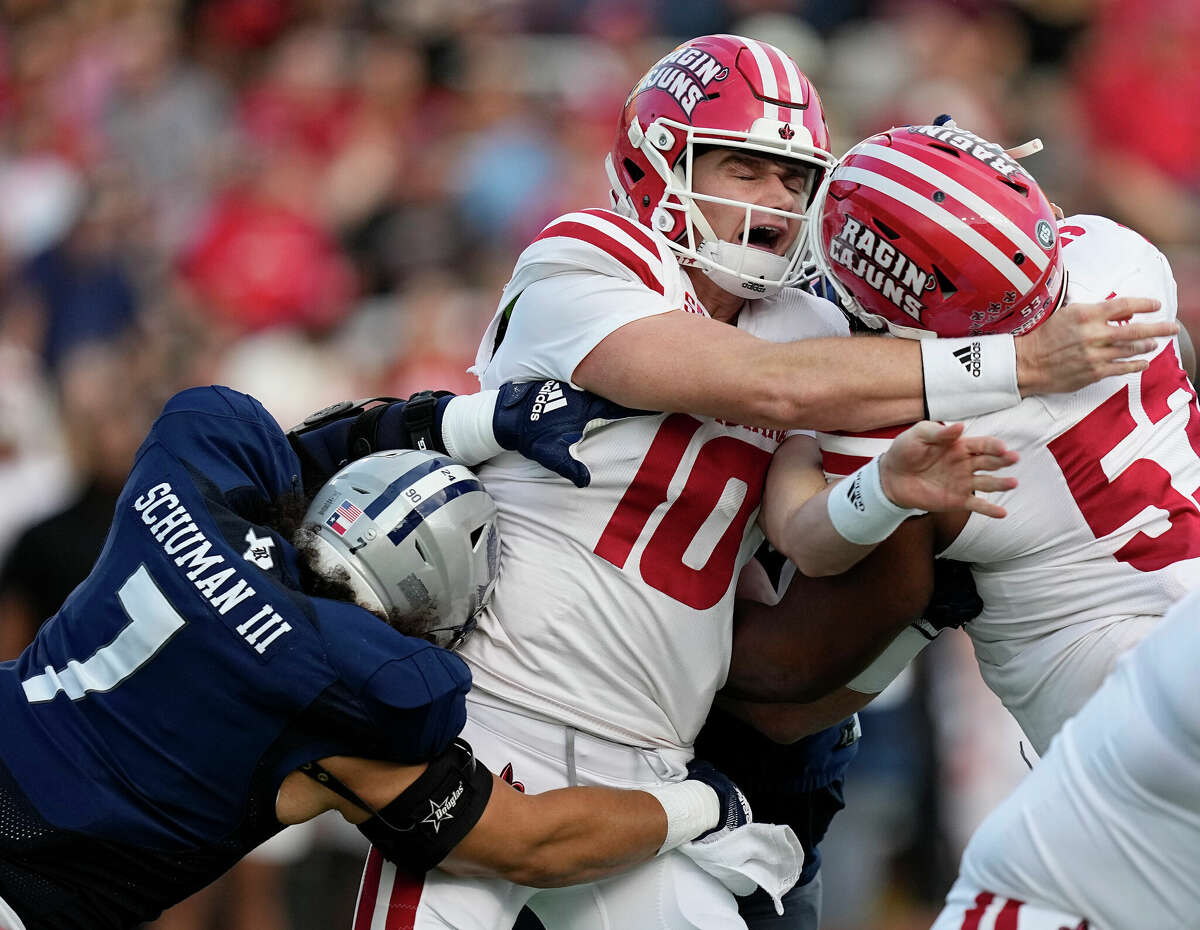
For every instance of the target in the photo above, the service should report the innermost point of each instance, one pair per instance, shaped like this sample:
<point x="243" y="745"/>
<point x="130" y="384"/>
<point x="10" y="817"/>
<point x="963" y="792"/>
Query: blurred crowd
<point x="317" y="199"/>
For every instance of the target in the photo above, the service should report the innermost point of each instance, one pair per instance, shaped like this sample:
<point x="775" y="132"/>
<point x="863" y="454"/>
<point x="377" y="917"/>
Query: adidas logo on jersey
<point x="971" y="357"/>
<point x="549" y="398"/>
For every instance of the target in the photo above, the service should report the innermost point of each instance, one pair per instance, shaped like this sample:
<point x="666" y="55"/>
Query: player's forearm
<point x="789" y="722"/>
<point x="562" y="837"/>
<point x="826" y="631"/>
<point x="810" y="540"/>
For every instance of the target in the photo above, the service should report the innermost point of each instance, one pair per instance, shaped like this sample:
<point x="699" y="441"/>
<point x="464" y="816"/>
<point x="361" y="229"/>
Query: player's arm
<point x="682" y="362"/>
<point x="786" y="723"/>
<point x="456" y="815"/>
<point x="469" y="428"/>
<point x="826" y="631"/>
<point x="929" y="467"/>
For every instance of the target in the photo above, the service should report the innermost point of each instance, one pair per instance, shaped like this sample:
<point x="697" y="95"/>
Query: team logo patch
<point x="684" y="74"/>
<point x="989" y="153"/>
<point x="259" y="551"/>
<point x="1045" y="234"/>
<point x="882" y="267"/>
<point x="343" y="518"/>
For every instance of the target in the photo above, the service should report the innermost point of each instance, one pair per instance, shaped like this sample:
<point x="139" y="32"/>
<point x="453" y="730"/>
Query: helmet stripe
<point x="431" y="504"/>
<point x="766" y="74"/>
<point x="963" y="195"/>
<point x="410" y="477"/>
<point x="794" y="78"/>
<point x="944" y="218"/>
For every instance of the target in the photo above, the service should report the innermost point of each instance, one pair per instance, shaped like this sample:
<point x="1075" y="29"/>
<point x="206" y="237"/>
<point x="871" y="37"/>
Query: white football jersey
<point x="1103" y="529"/>
<point x="1107" y="825"/>
<point x="613" y="609"/>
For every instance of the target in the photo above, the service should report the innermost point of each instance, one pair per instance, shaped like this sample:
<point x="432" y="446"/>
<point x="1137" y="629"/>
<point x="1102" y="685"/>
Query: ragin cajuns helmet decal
<point x="685" y="74"/>
<point x="870" y="256"/>
<point x="931" y="229"/>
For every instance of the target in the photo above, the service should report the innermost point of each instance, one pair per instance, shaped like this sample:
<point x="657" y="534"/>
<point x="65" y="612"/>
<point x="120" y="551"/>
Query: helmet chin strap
<point x="719" y="256"/>
<point x="753" y="262"/>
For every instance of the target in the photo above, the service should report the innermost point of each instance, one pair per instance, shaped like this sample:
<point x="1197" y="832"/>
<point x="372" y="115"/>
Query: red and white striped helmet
<point x="931" y="230"/>
<point x="727" y="91"/>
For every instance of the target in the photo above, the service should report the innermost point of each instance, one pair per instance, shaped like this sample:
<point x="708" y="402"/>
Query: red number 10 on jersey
<point x="662" y="566"/>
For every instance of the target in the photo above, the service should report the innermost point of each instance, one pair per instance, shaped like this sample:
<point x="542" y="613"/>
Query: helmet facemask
<point x="739" y="267"/>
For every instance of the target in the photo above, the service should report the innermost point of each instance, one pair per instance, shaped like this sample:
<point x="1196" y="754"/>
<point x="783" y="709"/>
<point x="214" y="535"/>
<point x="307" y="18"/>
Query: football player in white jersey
<point x="1101" y="538"/>
<point x="610" y="628"/>
<point x="1103" y="833"/>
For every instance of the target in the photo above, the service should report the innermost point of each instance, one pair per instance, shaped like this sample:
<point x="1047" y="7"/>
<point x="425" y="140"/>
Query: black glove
<point x="954" y="600"/>
<point x="735" y="809"/>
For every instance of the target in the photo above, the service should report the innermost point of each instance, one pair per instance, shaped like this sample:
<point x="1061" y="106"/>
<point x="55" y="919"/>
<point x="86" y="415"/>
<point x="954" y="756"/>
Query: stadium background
<point x="315" y="199"/>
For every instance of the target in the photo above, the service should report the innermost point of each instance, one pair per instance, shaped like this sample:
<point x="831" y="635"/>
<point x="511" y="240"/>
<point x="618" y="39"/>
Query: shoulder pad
<point x="604" y="242"/>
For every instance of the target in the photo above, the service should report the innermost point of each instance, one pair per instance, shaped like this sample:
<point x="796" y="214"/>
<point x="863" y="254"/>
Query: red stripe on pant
<point x="1007" y="918"/>
<point x="402" y="906"/>
<point x="402" y="902"/>
<point x="368" y="891"/>
<point x="971" y="918"/>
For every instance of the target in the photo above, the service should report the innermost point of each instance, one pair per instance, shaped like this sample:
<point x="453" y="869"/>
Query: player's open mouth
<point x="766" y="238"/>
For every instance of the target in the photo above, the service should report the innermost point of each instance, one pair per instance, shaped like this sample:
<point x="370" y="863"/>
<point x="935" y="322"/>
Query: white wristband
<point x="967" y="377"/>
<point x="893" y="660"/>
<point x="467" y="427"/>
<point x="692" y="808"/>
<point x="860" y="511"/>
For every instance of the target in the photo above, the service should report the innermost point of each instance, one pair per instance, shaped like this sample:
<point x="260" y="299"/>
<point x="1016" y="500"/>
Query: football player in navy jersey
<point x="225" y="671"/>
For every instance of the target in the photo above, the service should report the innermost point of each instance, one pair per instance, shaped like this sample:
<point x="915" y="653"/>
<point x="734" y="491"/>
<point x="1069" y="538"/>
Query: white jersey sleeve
<point x="585" y="276"/>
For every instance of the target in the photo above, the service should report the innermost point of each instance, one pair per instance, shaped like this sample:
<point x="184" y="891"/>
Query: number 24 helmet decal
<point x="718" y="91"/>
<point x="931" y="230"/>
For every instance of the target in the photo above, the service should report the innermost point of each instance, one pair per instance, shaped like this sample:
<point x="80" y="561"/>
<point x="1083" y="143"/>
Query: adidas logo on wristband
<point x="971" y="358"/>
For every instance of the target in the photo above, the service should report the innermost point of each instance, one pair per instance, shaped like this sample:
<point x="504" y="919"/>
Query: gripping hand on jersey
<point x="934" y="467"/>
<point x="735" y="809"/>
<point x="544" y="421"/>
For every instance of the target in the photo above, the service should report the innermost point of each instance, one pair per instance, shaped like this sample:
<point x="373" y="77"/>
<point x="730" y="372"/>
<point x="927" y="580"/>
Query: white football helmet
<point x="416" y="532"/>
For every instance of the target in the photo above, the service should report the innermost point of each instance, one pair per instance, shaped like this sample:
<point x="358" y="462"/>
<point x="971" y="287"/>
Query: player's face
<point x="765" y="182"/>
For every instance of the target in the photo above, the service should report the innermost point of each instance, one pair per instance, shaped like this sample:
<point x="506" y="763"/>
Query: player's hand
<point x="544" y="420"/>
<point x="735" y="809"/>
<point x="934" y="467"/>
<point x="1082" y="343"/>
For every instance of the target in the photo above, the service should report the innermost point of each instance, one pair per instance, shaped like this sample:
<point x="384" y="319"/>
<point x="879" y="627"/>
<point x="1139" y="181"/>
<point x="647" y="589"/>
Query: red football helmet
<point x="931" y="230"/>
<point x="727" y="91"/>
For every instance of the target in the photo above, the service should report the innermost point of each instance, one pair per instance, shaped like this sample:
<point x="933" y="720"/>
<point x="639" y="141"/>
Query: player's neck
<point x="720" y="304"/>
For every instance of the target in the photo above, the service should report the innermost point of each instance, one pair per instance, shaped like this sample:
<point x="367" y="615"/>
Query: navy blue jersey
<point x="148" y="727"/>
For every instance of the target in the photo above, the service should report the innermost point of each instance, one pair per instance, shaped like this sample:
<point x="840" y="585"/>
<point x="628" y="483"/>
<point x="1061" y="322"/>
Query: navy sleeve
<point x="230" y="439"/>
<point x="326" y="448"/>
<point x="412" y="691"/>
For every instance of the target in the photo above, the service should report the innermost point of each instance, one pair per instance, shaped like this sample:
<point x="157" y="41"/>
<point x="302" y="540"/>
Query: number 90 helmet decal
<point x="931" y="230"/>
<point x="730" y="92"/>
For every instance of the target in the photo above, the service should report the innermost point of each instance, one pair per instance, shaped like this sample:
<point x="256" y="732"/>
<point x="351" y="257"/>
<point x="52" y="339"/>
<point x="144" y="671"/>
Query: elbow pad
<point x="419" y="828"/>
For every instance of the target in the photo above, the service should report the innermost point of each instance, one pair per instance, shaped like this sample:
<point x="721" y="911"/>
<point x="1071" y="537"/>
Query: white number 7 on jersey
<point x="153" y="620"/>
